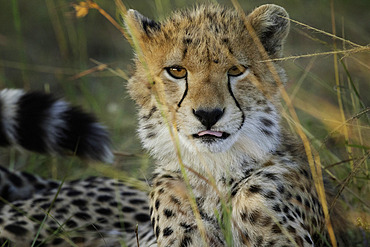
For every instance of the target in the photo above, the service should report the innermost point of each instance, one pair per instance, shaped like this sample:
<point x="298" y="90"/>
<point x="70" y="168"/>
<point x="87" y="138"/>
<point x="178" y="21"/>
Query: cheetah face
<point x="202" y="70"/>
<point x="208" y="115"/>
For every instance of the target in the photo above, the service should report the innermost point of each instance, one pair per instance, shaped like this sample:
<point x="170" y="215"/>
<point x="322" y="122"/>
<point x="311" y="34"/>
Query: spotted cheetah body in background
<point x="96" y="211"/>
<point x="209" y="87"/>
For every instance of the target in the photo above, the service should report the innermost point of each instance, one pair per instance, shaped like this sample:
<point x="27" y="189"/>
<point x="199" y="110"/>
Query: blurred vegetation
<point x="44" y="46"/>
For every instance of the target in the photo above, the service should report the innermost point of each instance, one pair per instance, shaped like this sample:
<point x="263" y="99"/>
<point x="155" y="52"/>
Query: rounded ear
<point x="143" y="25"/>
<point x="271" y="24"/>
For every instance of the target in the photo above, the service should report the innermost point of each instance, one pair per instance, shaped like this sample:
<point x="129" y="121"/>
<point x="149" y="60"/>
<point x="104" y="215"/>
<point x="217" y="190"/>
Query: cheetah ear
<point x="138" y="24"/>
<point x="271" y="24"/>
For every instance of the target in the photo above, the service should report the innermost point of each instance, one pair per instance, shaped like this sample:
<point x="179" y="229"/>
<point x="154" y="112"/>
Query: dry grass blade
<point x="356" y="166"/>
<point x="137" y="235"/>
<point x="82" y="10"/>
<point x="338" y="163"/>
<point x="319" y="184"/>
<point x="37" y="67"/>
<point x="338" y="83"/>
<point x="358" y="48"/>
<point x="323" y="32"/>
<point x="47" y="213"/>
<point x="358" y="197"/>
<point x="345" y="52"/>
<point x="367" y="66"/>
<point x="58" y="28"/>
<point x="344" y="123"/>
<point x="175" y="139"/>
<point x="158" y="92"/>
<point x="314" y="166"/>
<point x="100" y="67"/>
<point x="118" y="72"/>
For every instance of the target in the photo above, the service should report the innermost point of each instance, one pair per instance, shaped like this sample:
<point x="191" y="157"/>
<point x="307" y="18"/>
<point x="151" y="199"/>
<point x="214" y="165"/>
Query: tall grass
<point x="329" y="104"/>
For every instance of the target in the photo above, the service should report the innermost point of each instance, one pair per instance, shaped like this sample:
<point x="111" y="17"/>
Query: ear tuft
<point x="144" y="23"/>
<point x="271" y="23"/>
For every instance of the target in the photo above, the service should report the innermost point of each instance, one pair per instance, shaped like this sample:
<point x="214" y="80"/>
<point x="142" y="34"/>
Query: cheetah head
<point x="200" y="71"/>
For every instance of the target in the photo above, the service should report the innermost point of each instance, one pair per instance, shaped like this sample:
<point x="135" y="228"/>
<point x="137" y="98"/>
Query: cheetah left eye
<point x="236" y="70"/>
<point x="177" y="72"/>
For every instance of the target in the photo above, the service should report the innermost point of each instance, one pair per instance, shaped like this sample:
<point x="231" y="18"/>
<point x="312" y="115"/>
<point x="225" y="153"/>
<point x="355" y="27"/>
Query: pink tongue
<point x="210" y="132"/>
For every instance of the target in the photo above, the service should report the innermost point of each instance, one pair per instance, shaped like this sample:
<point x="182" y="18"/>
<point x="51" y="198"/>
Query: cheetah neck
<point x="229" y="164"/>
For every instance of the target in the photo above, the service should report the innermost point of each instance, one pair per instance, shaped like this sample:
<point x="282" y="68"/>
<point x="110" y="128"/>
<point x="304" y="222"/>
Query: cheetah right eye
<point x="236" y="70"/>
<point x="177" y="72"/>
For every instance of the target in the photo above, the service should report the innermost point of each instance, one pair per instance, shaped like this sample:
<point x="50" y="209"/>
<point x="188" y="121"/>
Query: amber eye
<point x="236" y="70"/>
<point x="177" y="72"/>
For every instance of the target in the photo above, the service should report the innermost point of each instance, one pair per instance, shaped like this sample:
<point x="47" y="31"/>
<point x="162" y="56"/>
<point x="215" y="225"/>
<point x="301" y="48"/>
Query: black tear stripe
<point x="236" y="102"/>
<point x="185" y="93"/>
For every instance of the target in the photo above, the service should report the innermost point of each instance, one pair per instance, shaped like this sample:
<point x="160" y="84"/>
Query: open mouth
<point x="210" y="135"/>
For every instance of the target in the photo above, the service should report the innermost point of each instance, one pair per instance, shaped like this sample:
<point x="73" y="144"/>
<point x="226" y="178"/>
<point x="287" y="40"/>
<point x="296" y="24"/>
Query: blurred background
<point x="44" y="46"/>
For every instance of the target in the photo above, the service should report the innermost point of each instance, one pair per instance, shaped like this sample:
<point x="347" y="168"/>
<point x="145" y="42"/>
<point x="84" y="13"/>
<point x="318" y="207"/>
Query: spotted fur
<point x="231" y="139"/>
<point x="198" y="74"/>
<point x="42" y="212"/>
<point x="96" y="211"/>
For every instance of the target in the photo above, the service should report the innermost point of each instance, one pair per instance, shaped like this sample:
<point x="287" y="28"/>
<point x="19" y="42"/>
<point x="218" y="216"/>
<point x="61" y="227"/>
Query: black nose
<point x="208" y="117"/>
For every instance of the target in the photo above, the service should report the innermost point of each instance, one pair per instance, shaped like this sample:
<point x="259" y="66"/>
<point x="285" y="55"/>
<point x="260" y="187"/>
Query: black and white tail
<point x="42" y="123"/>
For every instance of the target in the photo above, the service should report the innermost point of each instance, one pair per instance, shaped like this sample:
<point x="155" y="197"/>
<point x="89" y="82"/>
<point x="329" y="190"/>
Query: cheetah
<point x="223" y="104"/>
<point x="227" y="172"/>
<point x="96" y="211"/>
